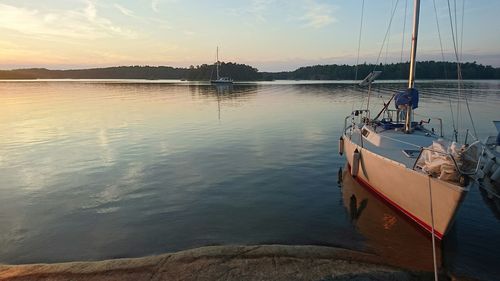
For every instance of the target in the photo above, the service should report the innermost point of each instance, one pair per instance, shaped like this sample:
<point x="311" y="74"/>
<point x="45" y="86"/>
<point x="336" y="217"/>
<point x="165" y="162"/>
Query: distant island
<point x="243" y="72"/>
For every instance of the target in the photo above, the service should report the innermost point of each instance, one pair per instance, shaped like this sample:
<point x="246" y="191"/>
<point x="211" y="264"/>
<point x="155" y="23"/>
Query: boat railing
<point x="470" y="172"/>
<point x="362" y="115"/>
<point x="429" y="120"/>
<point x="391" y="113"/>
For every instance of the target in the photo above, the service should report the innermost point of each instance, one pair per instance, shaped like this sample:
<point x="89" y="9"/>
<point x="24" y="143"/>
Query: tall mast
<point x="411" y="79"/>
<point x="416" y="14"/>
<point x="217" y="64"/>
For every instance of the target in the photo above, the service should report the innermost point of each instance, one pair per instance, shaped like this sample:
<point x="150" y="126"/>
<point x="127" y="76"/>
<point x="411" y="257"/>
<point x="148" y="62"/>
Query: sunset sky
<point x="271" y="35"/>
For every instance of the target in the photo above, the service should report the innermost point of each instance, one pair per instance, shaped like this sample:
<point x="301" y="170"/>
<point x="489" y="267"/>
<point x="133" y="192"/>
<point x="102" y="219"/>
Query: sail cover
<point x="407" y="97"/>
<point x="439" y="159"/>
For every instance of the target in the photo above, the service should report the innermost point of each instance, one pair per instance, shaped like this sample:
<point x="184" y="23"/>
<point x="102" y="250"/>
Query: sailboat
<point x="219" y="79"/>
<point x="413" y="168"/>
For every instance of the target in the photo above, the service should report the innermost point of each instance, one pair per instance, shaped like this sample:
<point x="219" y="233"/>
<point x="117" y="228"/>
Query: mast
<point x="411" y="79"/>
<point x="217" y="63"/>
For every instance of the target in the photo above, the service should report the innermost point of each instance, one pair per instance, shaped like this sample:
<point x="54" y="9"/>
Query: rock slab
<point x="267" y="262"/>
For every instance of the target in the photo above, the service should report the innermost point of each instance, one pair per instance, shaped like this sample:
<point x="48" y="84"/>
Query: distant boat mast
<point x="217" y="63"/>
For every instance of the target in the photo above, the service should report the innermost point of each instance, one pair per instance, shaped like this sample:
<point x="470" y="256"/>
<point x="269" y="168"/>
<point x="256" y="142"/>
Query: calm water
<point x="102" y="169"/>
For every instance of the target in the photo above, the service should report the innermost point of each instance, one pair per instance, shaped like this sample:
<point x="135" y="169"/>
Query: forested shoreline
<point x="243" y="72"/>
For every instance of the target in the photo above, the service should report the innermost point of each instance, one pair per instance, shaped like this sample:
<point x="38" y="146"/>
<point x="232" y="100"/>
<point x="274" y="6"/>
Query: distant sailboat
<point x="219" y="79"/>
<point x="413" y="168"/>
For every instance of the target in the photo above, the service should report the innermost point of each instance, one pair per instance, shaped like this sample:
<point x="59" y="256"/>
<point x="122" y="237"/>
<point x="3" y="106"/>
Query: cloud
<point x="318" y="15"/>
<point x="90" y="10"/>
<point x="255" y="11"/>
<point x="154" y="5"/>
<point x="159" y="23"/>
<point x="124" y="10"/>
<point x="81" y="23"/>
<point x="258" y="8"/>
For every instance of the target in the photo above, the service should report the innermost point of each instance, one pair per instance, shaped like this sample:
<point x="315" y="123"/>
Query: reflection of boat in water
<point x="388" y="233"/>
<point x="221" y="90"/>
<point x="225" y="95"/>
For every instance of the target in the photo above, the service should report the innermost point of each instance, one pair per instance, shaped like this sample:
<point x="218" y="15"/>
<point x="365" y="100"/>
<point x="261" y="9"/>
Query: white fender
<point x="355" y="163"/>
<point x="341" y="145"/>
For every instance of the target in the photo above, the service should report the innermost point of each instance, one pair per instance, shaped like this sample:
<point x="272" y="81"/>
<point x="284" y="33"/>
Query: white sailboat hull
<point x="408" y="190"/>
<point x="220" y="81"/>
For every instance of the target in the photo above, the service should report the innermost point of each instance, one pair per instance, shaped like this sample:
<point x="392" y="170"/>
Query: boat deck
<point x="393" y="144"/>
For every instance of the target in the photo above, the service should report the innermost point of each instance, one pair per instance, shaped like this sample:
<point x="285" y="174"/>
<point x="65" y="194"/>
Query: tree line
<point x="394" y="71"/>
<point x="243" y="72"/>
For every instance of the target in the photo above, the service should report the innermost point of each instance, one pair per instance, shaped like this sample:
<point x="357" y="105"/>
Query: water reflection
<point x="388" y="233"/>
<point x="97" y="170"/>
<point x="488" y="191"/>
<point x="225" y="92"/>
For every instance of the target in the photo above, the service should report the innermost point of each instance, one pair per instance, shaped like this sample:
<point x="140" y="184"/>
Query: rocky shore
<point x="267" y="262"/>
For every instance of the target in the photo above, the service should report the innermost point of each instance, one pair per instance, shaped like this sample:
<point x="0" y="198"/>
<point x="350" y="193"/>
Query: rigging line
<point x="359" y="46"/>
<point x="465" y="93"/>
<point x="459" y="72"/>
<point x="359" y="38"/>
<point x="386" y="34"/>
<point x="382" y="47"/>
<point x="388" y="42"/>
<point x="462" y="31"/>
<point x="456" y="22"/>
<point x="457" y="62"/>
<point x="444" y="64"/>
<point x="404" y="31"/>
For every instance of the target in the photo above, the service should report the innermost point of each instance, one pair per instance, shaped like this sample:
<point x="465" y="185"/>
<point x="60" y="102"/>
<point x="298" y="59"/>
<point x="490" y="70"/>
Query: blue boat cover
<point x="407" y="97"/>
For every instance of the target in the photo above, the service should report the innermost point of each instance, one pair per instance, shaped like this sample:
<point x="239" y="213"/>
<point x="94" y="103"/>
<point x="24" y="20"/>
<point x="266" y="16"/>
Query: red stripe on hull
<point x="396" y="206"/>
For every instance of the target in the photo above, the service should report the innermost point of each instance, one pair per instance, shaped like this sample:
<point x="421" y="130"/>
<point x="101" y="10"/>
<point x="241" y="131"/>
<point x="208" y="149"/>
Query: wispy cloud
<point x="84" y="22"/>
<point x="258" y="9"/>
<point x="252" y="12"/>
<point x="124" y="10"/>
<point x="90" y="10"/>
<point x="154" y="5"/>
<point x="159" y="23"/>
<point x="318" y="15"/>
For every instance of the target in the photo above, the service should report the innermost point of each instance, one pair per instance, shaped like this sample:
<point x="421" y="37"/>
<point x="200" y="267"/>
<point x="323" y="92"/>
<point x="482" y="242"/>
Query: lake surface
<point x="94" y="170"/>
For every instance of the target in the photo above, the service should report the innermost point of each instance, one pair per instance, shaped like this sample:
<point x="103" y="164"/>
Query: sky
<point x="271" y="35"/>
